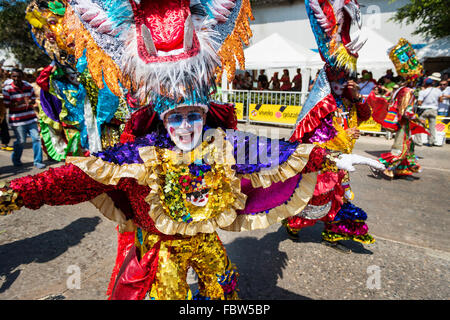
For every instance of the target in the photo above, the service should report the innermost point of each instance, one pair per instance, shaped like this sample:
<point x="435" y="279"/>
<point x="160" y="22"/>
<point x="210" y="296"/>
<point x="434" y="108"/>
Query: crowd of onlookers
<point x="384" y="86"/>
<point x="275" y="83"/>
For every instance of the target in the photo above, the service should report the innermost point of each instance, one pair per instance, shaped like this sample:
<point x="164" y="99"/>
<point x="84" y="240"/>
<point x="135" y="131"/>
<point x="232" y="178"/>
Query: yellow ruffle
<point x="106" y="206"/>
<point x="165" y="223"/>
<point x="296" y="204"/>
<point x="109" y="173"/>
<point x="293" y="166"/>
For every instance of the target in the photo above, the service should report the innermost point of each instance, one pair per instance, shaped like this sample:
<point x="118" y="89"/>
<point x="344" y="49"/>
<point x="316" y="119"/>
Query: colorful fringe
<point x="349" y="224"/>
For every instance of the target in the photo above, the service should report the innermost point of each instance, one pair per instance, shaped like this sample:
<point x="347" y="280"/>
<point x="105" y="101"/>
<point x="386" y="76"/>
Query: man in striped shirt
<point x="19" y="98"/>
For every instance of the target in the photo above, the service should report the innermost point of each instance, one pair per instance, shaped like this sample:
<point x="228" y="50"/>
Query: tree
<point x="432" y="16"/>
<point x="15" y="34"/>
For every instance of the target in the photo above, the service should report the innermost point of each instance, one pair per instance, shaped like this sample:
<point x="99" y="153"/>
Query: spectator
<point x="297" y="81"/>
<point x="247" y="81"/>
<point x="443" y="108"/>
<point x="367" y="83"/>
<point x="389" y="74"/>
<point x="19" y="97"/>
<point x="388" y="83"/>
<point x="237" y="82"/>
<point x="312" y="82"/>
<point x="264" y="80"/>
<point x="428" y="102"/>
<point x="286" y="81"/>
<point x="275" y="82"/>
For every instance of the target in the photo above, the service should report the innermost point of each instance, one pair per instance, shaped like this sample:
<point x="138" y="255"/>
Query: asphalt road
<point x="41" y="251"/>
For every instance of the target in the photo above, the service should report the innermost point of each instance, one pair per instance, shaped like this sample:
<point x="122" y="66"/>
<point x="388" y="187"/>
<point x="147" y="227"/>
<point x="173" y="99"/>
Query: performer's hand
<point x="353" y="88"/>
<point x="9" y="199"/>
<point x="347" y="162"/>
<point x="353" y="133"/>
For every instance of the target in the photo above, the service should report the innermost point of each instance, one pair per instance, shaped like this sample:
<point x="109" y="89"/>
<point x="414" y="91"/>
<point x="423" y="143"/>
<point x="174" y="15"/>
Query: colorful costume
<point x="398" y="114"/>
<point x="327" y="114"/>
<point x="76" y="116"/>
<point x="168" y="204"/>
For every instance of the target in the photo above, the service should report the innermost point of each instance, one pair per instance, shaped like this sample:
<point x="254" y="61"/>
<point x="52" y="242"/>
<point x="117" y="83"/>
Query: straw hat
<point x="435" y="76"/>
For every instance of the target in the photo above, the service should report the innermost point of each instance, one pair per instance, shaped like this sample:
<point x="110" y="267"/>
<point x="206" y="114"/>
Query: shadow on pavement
<point x="41" y="248"/>
<point x="376" y="153"/>
<point x="260" y="263"/>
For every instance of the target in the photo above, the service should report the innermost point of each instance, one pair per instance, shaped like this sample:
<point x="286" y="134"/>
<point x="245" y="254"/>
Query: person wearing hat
<point x="428" y="103"/>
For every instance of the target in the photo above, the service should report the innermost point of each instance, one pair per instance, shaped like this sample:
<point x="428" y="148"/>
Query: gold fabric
<point x="225" y="194"/>
<point x="106" y="172"/>
<point x="232" y="48"/>
<point x="106" y="206"/>
<point x="204" y="253"/>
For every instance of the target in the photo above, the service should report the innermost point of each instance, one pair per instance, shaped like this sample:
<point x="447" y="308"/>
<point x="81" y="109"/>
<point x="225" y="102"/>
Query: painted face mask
<point x="185" y="129"/>
<point x="338" y="86"/>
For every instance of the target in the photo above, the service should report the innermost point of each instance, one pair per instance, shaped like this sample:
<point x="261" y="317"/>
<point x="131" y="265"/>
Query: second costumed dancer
<point x="330" y="118"/>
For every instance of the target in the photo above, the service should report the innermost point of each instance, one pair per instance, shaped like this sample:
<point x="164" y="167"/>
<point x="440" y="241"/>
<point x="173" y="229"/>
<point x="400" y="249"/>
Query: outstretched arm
<point x="57" y="186"/>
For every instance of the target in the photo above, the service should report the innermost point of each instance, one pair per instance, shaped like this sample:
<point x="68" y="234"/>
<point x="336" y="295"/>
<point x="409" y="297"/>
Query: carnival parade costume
<point x="166" y="188"/>
<point x="75" y="116"/>
<point x="329" y="111"/>
<point x="398" y="115"/>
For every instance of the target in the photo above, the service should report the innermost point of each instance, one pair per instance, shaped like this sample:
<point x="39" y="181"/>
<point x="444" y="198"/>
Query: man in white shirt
<point x="428" y="103"/>
<point x="445" y="103"/>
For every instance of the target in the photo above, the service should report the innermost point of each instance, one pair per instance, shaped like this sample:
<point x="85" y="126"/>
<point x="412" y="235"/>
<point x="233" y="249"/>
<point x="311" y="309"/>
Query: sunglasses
<point x="176" y="119"/>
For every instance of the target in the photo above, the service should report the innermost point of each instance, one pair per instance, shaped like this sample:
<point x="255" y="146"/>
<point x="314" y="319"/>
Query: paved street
<point x="410" y="259"/>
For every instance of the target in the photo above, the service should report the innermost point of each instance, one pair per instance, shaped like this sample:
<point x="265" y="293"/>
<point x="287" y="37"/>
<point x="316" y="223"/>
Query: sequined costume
<point x="76" y="117"/>
<point x="131" y="184"/>
<point x="327" y="114"/>
<point x="168" y="197"/>
<point x="397" y="115"/>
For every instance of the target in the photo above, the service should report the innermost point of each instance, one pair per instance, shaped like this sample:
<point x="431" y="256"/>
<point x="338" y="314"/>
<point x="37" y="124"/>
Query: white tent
<point x="277" y="52"/>
<point x="7" y="59"/>
<point x="436" y="49"/>
<point x="373" y="56"/>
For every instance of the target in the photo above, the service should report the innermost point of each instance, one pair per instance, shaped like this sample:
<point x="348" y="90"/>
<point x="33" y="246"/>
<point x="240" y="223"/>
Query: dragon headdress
<point x="331" y="21"/>
<point x="166" y="52"/>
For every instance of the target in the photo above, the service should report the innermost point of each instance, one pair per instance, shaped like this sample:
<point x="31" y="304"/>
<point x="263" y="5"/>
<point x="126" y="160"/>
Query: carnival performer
<point x="398" y="115"/>
<point x="330" y="118"/>
<point x="191" y="174"/>
<point x="76" y="117"/>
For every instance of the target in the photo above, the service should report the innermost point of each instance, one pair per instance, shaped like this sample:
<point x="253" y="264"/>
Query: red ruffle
<point x="326" y="182"/>
<point x="363" y="111"/>
<point x="43" y="80"/>
<point x="312" y="120"/>
<point x="58" y="186"/>
<point x="315" y="160"/>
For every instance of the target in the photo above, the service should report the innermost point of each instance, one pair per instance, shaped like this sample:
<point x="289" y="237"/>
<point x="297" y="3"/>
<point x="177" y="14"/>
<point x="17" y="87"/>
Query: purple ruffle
<point x="253" y="153"/>
<point x="324" y="132"/>
<point x="51" y="105"/>
<point x="264" y="199"/>
<point x="127" y="153"/>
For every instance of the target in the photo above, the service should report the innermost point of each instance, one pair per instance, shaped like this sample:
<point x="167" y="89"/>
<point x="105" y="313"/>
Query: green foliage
<point x="15" y="34"/>
<point x="432" y="16"/>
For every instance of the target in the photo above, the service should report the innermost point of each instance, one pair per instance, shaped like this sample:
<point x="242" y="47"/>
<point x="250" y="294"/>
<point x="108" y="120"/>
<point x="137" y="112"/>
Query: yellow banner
<point x="274" y="113"/>
<point x="443" y="125"/>
<point x="239" y="109"/>
<point x="370" y="126"/>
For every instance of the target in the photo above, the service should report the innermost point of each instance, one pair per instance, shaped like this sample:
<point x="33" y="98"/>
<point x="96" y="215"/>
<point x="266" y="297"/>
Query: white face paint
<point x="199" y="198"/>
<point x="185" y="126"/>
<point x="337" y="88"/>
